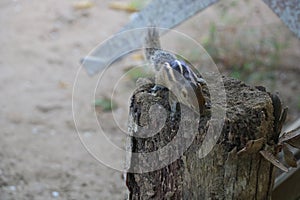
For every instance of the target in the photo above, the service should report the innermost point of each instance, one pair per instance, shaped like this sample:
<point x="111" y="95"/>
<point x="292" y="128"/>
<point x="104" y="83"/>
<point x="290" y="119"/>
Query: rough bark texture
<point x="222" y="174"/>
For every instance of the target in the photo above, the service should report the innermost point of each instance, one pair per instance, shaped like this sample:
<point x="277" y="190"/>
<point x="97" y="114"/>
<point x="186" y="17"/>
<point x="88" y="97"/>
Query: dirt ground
<point x="41" y="43"/>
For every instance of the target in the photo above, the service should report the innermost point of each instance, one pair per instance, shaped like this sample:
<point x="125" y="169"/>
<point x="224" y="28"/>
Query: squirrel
<point x="174" y="74"/>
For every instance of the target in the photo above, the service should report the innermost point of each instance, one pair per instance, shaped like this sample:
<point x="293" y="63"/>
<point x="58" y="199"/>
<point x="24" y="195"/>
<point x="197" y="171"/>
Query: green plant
<point x="105" y="104"/>
<point x="137" y="4"/>
<point x="210" y="43"/>
<point x="134" y="73"/>
<point x="251" y="54"/>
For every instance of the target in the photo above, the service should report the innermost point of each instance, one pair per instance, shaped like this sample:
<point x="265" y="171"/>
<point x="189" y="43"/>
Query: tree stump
<point x="223" y="173"/>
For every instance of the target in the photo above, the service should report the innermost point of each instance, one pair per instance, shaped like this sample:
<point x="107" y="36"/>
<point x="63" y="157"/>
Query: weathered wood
<point x="222" y="174"/>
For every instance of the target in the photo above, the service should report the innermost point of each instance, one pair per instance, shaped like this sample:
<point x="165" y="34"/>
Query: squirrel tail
<point x="152" y="42"/>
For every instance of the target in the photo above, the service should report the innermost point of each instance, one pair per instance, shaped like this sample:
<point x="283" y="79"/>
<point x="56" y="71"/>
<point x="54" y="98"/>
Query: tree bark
<point x="223" y="173"/>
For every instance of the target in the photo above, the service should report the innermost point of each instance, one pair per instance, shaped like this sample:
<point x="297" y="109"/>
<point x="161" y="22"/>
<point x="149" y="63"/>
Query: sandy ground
<point x="41" y="43"/>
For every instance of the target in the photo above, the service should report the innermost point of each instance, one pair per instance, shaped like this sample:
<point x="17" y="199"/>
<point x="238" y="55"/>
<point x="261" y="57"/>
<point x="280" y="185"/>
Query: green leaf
<point x="137" y="72"/>
<point x="105" y="104"/>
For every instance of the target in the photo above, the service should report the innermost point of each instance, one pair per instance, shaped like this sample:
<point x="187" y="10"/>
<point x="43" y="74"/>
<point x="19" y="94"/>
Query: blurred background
<point x="41" y="43"/>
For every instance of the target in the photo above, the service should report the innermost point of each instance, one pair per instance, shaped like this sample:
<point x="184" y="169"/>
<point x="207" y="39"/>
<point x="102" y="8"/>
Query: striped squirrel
<point x="173" y="74"/>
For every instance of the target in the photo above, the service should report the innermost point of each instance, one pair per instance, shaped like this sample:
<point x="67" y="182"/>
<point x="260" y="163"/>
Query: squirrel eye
<point x="186" y="75"/>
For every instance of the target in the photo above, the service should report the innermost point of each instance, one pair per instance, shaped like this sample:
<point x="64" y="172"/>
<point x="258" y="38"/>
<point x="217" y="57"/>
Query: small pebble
<point x="87" y="134"/>
<point x="35" y="130"/>
<point x="12" y="188"/>
<point x="55" y="194"/>
<point x="133" y="16"/>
